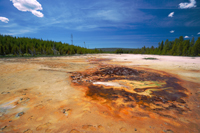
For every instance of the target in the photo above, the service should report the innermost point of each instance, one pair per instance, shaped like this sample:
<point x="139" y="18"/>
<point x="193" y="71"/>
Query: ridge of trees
<point x="23" y="46"/>
<point x="178" y="47"/>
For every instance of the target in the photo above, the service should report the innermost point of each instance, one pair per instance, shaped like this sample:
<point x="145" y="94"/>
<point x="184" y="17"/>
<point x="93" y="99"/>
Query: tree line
<point x="178" y="47"/>
<point x="23" y="46"/>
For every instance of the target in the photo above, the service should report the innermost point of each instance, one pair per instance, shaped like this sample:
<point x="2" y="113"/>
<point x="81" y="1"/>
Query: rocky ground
<point x="100" y="93"/>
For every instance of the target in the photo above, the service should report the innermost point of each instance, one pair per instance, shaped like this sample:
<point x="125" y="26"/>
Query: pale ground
<point x="37" y="95"/>
<point x="189" y="67"/>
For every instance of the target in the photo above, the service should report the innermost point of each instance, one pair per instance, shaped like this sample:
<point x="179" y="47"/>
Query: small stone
<point x="3" y="128"/>
<point x="20" y="114"/>
<point x="5" y="92"/>
<point x="23" y="100"/>
<point x="7" y="128"/>
<point x="135" y="129"/>
<point x="66" y="112"/>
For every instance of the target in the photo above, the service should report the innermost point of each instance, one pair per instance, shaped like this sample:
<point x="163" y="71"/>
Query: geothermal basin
<point x="100" y="93"/>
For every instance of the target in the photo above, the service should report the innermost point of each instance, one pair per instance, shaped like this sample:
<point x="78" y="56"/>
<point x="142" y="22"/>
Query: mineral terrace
<point x="100" y="93"/>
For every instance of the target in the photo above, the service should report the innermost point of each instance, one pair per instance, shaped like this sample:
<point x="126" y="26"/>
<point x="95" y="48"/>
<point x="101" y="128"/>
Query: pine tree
<point x="166" y="47"/>
<point x="196" y="48"/>
<point x="174" y="49"/>
<point x="161" y="47"/>
<point x="186" y="46"/>
<point x="2" y="50"/>
<point x="181" y="39"/>
<point x="180" y="48"/>
<point x="192" y="42"/>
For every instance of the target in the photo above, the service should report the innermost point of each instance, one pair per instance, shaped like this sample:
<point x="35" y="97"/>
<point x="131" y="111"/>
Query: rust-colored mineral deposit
<point x="100" y="93"/>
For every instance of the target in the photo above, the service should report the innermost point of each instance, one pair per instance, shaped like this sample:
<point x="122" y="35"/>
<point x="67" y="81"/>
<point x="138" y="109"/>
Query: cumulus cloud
<point x="171" y="14"/>
<point x="198" y="33"/>
<point x="28" y="5"/>
<point x="186" y="37"/>
<point x="188" y="5"/>
<point x="4" y="19"/>
<point x="37" y="13"/>
<point x="172" y="31"/>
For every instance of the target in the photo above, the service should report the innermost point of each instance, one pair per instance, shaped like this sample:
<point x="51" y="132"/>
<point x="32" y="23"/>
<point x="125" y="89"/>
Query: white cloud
<point x="186" y="37"/>
<point x="111" y="15"/>
<point x="172" y="31"/>
<point x="171" y="14"/>
<point x="37" y="13"/>
<point x="4" y="19"/>
<point x="198" y="33"/>
<point x="187" y="5"/>
<point x="28" y="5"/>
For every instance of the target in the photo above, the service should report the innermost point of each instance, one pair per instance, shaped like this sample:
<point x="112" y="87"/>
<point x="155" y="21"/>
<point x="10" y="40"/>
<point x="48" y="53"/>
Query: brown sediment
<point x="198" y="71"/>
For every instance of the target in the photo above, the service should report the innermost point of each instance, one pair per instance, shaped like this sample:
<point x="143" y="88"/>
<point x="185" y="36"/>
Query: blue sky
<point x="101" y="23"/>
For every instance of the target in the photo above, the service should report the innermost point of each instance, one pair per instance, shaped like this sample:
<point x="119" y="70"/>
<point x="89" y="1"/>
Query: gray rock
<point x="3" y="128"/>
<point x="5" y="92"/>
<point x="20" y="114"/>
